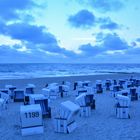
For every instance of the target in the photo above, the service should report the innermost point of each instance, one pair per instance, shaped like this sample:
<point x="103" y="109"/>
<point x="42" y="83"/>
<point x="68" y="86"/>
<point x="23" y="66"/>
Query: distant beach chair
<point x="133" y="93"/>
<point x="98" y="86"/>
<point x="63" y="90"/>
<point x="51" y="91"/>
<point x="108" y="84"/>
<point x="11" y="88"/>
<point x="122" y="106"/>
<point x="44" y="103"/>
<point x="82" y="84"/>
<point x="64" y="122"/>
<point x="115" y="90"/>
<point x="137" y="84"/>
<point x="19" y="95"/>
<point x="122" y="83"/>
<point x="29" y="89"/>
<point x="31" y="120"/>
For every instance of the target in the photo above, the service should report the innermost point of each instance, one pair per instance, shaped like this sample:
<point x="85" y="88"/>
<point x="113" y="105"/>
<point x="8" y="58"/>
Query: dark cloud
<point x="89" y="50"/>
<point x="30" y="33"/>
<point x="36" y="39"/>
<point x="103" y="5"/>
<point x="114" y="42"/>
<point x="85" y="19"/>
<point x="106" y="23"/>
<point x="107" y="42"/>
<point x="138" y="39"/>
<point x="82" y="19"/>
<point x="9" y="9"/>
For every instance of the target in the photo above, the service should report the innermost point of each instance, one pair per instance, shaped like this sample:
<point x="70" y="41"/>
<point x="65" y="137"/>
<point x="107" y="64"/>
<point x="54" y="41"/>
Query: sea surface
<point x="36" y="70"/>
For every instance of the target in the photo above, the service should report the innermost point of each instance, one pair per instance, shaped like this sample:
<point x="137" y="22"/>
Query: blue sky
<point x="76" y="31"/>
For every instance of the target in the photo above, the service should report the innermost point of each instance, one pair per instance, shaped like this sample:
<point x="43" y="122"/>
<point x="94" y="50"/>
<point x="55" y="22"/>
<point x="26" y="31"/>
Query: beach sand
<point x="101" y="125"/>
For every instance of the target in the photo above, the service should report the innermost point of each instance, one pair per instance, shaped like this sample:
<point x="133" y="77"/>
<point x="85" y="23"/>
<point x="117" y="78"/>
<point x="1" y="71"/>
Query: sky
<point x="69" y="31"/>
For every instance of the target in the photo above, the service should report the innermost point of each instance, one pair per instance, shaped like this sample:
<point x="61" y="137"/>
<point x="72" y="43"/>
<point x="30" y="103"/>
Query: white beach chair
<point x="86" y="103"/>
<point x="31" y="120"/>
<point x="65" y="122"/>
<point x="122" y="106"/>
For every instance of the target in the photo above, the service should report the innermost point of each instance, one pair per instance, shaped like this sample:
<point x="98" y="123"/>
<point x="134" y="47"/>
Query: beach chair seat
<point x="31" y="120"/>
<point x="44" y="103"/>
<point x="18" y="95"/>
<point x="29" y="89"/>
<point x="108" y="85"/>
<point x="98" y="87"/>
<point x="133" y="93"/>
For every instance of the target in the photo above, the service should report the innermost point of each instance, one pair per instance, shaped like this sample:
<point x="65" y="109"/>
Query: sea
<point x="39" y="70"/>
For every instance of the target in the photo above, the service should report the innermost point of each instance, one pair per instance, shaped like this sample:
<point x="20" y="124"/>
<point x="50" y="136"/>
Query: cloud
<point x="106" y="43"/>
<point x="107" y="23"/>
<point x="114" y="42"/>
<point x="103" y="5"/>
<point x="85" y="19"/>
<point x="10" y="9"/>
<point x="138" y="39"/>
<point x="31" y="33"/>
<point x="90" y="50"/>
<point x="82" y="19"/>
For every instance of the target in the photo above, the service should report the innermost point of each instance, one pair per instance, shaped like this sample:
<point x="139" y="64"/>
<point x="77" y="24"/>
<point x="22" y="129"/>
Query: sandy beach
<point x="101" y="125"/>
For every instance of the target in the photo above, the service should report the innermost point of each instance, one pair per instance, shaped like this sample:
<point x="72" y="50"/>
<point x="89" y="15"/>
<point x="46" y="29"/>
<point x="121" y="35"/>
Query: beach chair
<point x="78" y="84"/>
<point x="137" y="83"/>
<point x="30" y="89"/>
<point x="122" y="106"/>
<point x="6" y="99"/>
<point x="11" y="88"/>
<point x="108" y="85"/>
<point x="31" y="120"/>
<point x="19" y="95"/>
<point x="116" y="89"/>
<point x="1" y="106"/>
<point x="5" y="91"/>
<point x="87" y="84"/>
<point x="66" y="83"/>
<point x="114" y="82"/>
<point x="44" y="103"/>
<point x="63" y="90"/>
<point x="86" y="103"/>
<point x="133" y="93"/>
<point x="65" y="121"/>
<point x="122" y="83"/>
<point x="98" y="87"/>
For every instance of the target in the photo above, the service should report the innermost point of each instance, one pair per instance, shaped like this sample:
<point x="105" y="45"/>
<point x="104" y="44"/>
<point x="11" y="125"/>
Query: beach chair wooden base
<point x="32" y="130"/>
<point x="62" y="126"/>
